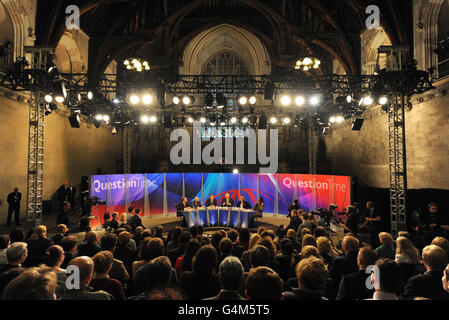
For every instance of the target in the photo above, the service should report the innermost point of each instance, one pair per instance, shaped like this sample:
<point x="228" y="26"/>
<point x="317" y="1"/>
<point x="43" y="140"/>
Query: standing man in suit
<point x="14" y="205"/>
<point x="71" y="195"/>
<point x="62" y="194"/>
<point x="227" y="201"/>
<point x="373" y="223"/>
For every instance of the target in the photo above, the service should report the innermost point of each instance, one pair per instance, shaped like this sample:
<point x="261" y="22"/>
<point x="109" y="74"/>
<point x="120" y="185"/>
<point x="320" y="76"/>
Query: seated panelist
<point x="181" y="206"/>
<point x="242" y="204"/>
<point x="227" y="201"/>
<point x="196" y="203"/>
<point x="211" y="202"/>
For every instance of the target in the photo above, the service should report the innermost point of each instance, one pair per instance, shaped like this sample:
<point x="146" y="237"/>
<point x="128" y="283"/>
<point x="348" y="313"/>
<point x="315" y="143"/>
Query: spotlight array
<point x="137" y="64"/>
<point x="143" y="98"/>
<point x="299" y="100"/>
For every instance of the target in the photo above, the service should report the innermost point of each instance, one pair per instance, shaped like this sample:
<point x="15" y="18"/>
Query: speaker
<point x="263" y="122"/>
<point x="357" y="124"/>
<point x="74" y="120"/>
<point x="269" y="91"/>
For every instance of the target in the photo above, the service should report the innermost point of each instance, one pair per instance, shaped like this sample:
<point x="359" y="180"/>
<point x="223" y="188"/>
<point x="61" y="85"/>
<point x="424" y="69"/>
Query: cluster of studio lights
<point x="147" y="119"/>
<point x="336" y="119"/>
<point x="137" y="64"/>
<point x="308" y="63"/>
<point x="244" y="100"/>
<point x="102" y="117"/>
<point x="299" y="100"/>
<point x="145" y="98"/>
<point x="369" y="100"/>
<point x="184" y="100"/>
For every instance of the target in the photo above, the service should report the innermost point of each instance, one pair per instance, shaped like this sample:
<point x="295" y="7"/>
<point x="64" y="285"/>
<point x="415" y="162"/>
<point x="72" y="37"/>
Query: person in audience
<point x="345" y="264"/>
<point x="114" y="224"/>
<point x="173" y="243"/>
<point x="184" y="263"/>
<point x="194" y="231"/>
<point x="135" y="221"/>
<point x="243" y="204"/>
<point x="216" y="238"/>
<point x="293" y="236"/>
<point x="103" y="261"/>
<point x="4" y="242"/>
<point x="428" y="285"/>
<point x="211" y="202"/>
<point x="310" y="251"/>
<point x="295" y="222"/>
<point x="386" y="280"/>
<point x="106" y="221"/>
<point x="304" y="231"/>
<point x="259" y="256"/>
<point x="38" y="242"/>
<point x="269" y="244"/>
<point x="436" y="223"/>
<point x="353" y="285"/>
<point x="123" y="252"/>
<point x="202" y="282"/>
<point x="244" y="237"/>
<point x="118" y="270"/>
<point x="231" y="276"/>
<point x="308" y="240"/>
<point x="319" y="231"/>
<point x="123" y="220"/>
<point x="406" y="252"/>
<point x="305" y="224"/>
<point x="386" y="249"/>
<point x="224" y="249"/>
<point x="261" y="230"/>
<point x="85" y="267"/>
<point x="227" y="201"/>
<point x="293" y="206"/>
<point x="262" y="283"/>
<point x="174" y="254"/>
<point x="69" y="245"/>
<point x="324" y="246"/>
<point x="61" y="232"/>
<point x="158" y="233"/>
<point x="32" y="284"/>
<point x="443" y="243"/>
<point x="200" y="235"/>
<point x="372" y="222"/>
<point x="90" y="246"/>
<point x="285" y="259"/>
<point x="232" y="235"/>
<point x="312" y="275"/>
<point x="445" y="279"/>
<point x="167" y="294"/>
<point x="16" y="235"/>
<point x="16" y="254"/>
<point x="54" y="256"/>
<point x="138" y="236"/>
<point x="254" y="240"/>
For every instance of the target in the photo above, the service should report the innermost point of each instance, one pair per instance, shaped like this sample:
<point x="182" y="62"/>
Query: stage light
<point x="203" y="120"/>
<point x="245" y="120"/>
<point x="315" y="100"/>
<point x="48" y="98"/>
<point x="145" y="119"/>
<point x="286" y="100"/>
<point x="106" y="118"/>
<point x="221" y="100"/>
<point x="243" y="101"/>
<point x="212" y="124"/>
<point x="252" y="100"/>
<point x="349" y="99"/>
<point x="116" y="100"/>
<point x="339" y="119"/>
<point x="137" y="64"/>
<point x="286" y="120"/>
<point x="176" y="100"/>
<point x="190" y="119"/>
<point x="235" y="171"/>
<point x="59" y="99"/>
<point x="383" y="100"/>
<point x="222" y="123"/>
<point x="147" y="99"/>
<point x="307" y="63"/>
<point x="299" y="100"/>
<point x="134" y="99"/>
<point x="233" y="120"/>
<point x="153" y="119"/>
<point x="332" y="119"/>
<point x="186" y="100"/>
<point x="367" y="101"/>
<point x="273" y="120"/>
<point x="90" y="95"/>
<point x="99" y="117"/>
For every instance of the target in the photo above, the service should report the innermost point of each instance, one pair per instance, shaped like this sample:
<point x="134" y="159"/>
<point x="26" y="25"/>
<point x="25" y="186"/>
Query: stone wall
<point x="69" y="153"/>
<point x="365" y="154"/>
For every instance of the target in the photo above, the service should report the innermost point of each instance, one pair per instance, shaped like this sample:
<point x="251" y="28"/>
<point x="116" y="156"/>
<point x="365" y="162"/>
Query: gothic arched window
<point x="225" y="63"/>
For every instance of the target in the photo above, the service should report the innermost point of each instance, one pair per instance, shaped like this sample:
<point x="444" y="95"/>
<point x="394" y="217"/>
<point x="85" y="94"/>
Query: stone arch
<point x="22" y="19"/>
<point x="210" y="42"/>
<point x="68" y="57"/>
<point x="426" y="18"/>
<point x="371" y="40"/>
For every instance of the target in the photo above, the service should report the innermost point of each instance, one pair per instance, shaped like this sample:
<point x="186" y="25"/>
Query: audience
<point x="118" y="270"/>
<point x="69" y="245"/>
<point x="324" y="246"/>
<point x="32" y="284"/>
<point x="406" y="252"/>
<point x="443" y="243"/>
<point x="262" y="283"/>
<point x="90" y="246"/>
<point x="16" y="235"/>
<point x="174" y="254"/>
<point x="231" y="276"/>
<point x="123" y="252"/>
<point x="101" y="281"/>
<point x="61" y="232"/>
<point x="85" y="267"/>
<point x="54" y="256"/>
<point x="428" y="285"/>
<point x="16" y="254"/>
<point x="386" y="249"/>
<point x="38" y="242"/>
<point x="184" y="263"/>
<point x="386" y="280"/>
<point x="4" y="242"/>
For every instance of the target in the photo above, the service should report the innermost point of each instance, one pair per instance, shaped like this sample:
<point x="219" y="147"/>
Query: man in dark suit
<point x="231" y="277"/>
<point x="227" y="201"/>
<point x="373" y="223"/>
<point x="345" y="264"/>
<point x="62" y="194"/>
<point x="181" y="206"/>
<point x="61" y="232"/>
<point x="242" y="204"/>
<point x="174" y="254"/>
<point x="14" y="205"/>
<point x="211" y="201"/>
<point x="71" y="195"/>
<point x="135" y="221"/>
<point x="353" y="285"/>
<point x="90" y="247"/>
<point x="293" y="206"/>
<point x="429" y="284"/>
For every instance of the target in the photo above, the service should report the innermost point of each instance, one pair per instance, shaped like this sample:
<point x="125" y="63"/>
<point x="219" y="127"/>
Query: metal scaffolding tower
<point x="39" y="61"/>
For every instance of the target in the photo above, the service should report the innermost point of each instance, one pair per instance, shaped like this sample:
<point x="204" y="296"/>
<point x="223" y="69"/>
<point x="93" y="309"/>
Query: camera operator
<point x="353" y="220"/>
<point x="372" y="223"/>
<point x="435" y="224"/>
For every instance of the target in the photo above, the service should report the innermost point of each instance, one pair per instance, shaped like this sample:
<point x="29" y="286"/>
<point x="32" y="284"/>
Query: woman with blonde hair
<point x="123" y="219"/>
<point x="324" y="246"/>
<point x="406" y="252"/>
<point x="386" y="249"/>
<point x="38" y="243"/>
